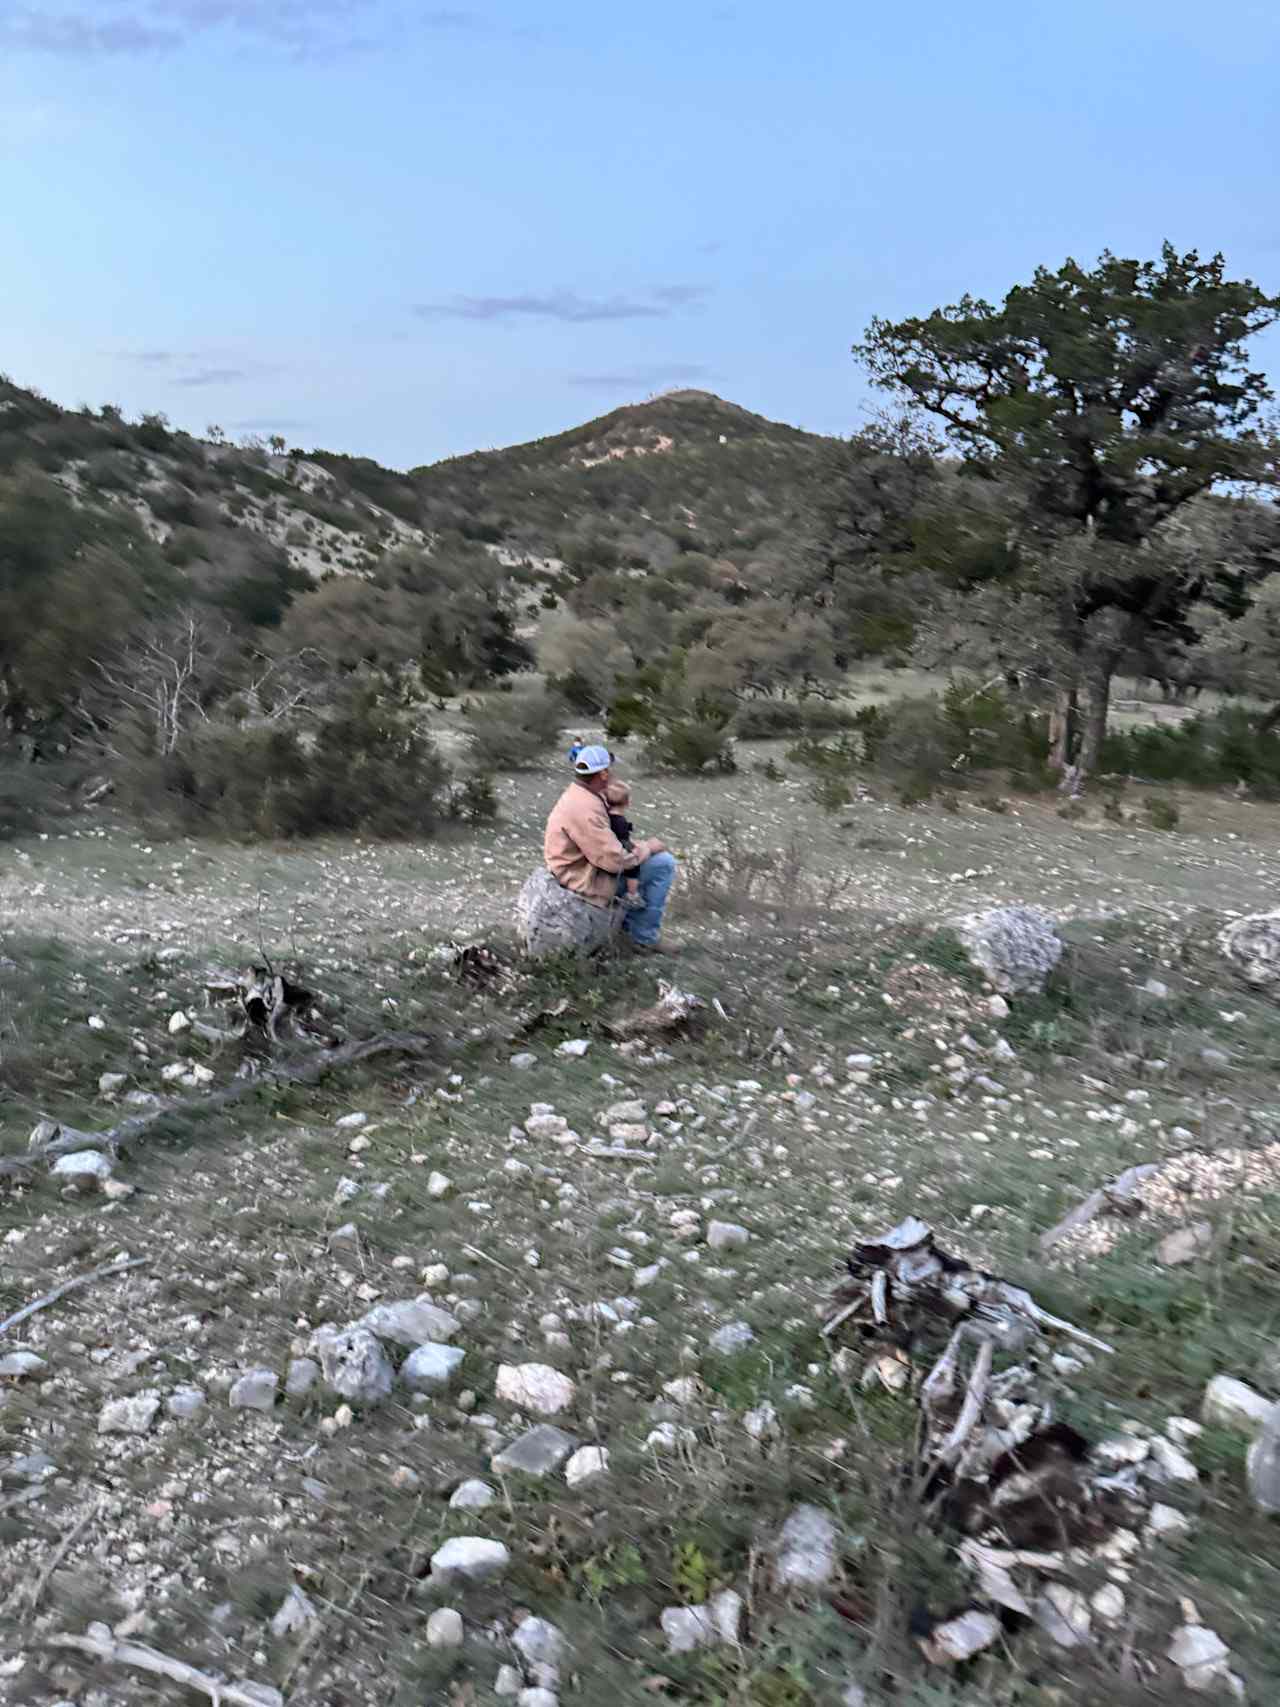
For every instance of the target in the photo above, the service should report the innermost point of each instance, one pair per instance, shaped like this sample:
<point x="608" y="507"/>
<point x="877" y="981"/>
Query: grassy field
<point x="820" y="937"/>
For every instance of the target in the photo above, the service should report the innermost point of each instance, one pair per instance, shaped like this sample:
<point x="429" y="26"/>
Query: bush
<point x="474" y="800"/>
<point x="365" y="770"/>
<point x="1161" y="814"/>
<point x="692" y="745"/>
<point x="1222" y="750"/>
<point x="516" y="731"/>
<point x="774" y="719"/>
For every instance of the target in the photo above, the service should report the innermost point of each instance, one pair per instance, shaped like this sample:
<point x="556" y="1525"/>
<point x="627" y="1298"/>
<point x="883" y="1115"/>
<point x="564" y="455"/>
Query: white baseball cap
<point x="592" y="760"/>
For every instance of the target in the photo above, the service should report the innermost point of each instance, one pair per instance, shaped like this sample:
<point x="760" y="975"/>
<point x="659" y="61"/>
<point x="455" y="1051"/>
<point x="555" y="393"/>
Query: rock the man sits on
<point x="586" y="858"/>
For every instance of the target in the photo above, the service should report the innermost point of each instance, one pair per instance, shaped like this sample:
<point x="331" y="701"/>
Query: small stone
<point x="185" y="1403"/>
<point x="346" y="1121"/>
<point x="633" y="1112"/>
<point x="17" y="1365"/>
<point x="405" y="1479"/>
<point x="960" y="1638"/>
<point x="1185" y="1244"/>
<point x="806" y="1555"/>
<point x="537" y="1452"/>
<point x="354" y="1364"/>
<point x="254" y="1391"/>
<point x="411" y="1322"/>
<point x="95" y="1022"/>
<point x="715" y="1624"/>
<point x="115" y="1190"/>
<point x="508" y="1681"/>
<point x="294" y="1614"/>
<point x="88" y="1169"/>
<point x="1120" y="1449"/>
<point x="301" y="1377"/>
<point x="1235" y="1406"/>
<point x="1063" y="1614"/>
<point x="1200" y="1655"/>
<point x="524" y="1061"/>
<point x="430" y="1368"/>
<point x="733" y="1337"/>
<point x="1156" y="988"/>
<point x="1168" y="1464"/>
<point x="546" y="1126"/>
<point x="537" y="1697"/>
<point x="535" y="1387"/>
<point x="178" y="1022"/>
<point x="726" y="1236"/>
<point x="345" y="1238"/>
<point x="134" y="1415"/>
<point x="435" y="1274"/>
<point x="471" y="1557"/>
<point x="1108" y="1602"/>
<point x="439" y="1185"/>
<point x="539" y="1643"/>
<point x="1167" y="1523"/>
<point x="444" y="1628"/>
<point x="761" y="1423"/>
<point x="587" y="1464"/>
<point x="574" y="1048"/>
<point x="472" y="1495"/>
<point x="110" y="1083"/>
<point x="997" y="1007"/>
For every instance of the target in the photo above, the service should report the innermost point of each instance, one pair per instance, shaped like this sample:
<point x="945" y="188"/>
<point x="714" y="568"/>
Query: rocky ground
<point x="498" y="1372"/>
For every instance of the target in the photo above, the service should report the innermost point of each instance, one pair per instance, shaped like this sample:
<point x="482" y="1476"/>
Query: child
<point x="617" y="796"/>
<point x="576" y="748"/>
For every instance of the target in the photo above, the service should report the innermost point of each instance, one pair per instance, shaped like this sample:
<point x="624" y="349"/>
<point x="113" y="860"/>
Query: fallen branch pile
<point x="1026" y="1495"/>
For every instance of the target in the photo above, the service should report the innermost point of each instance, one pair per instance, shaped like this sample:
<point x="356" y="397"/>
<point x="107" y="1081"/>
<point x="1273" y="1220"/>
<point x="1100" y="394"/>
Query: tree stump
<point x="550" y="920"/>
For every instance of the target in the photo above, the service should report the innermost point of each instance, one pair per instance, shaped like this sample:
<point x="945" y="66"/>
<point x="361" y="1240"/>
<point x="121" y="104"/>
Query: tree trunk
<point x="1095" y="722"/>
<point x="1062" y="728"/>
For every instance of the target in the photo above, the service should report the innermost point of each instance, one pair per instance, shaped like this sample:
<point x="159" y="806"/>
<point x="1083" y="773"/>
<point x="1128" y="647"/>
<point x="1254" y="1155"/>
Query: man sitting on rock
<point x="586" y="858"/>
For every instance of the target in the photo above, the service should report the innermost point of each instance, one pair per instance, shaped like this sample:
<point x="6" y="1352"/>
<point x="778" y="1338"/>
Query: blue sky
<point x="409" y="230"/>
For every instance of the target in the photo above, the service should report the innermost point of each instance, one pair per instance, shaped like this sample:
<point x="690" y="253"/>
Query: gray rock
<point x="110" y="1083"/>
<point x="1233" y="1405"/>
<point x="472" y="1495"/>
<point x="33" y="1467"/>
<point x="1262" y="1464"/>
<point x="508" y="1681"/>
<point x="411" y="1322"/>
<point x="1015" y="948"/>
<point x="430" y="1368"/>
<point x="549" y="920"/>
<point x="345" y="1238"/>
<point x="438" y="1185"/>
<point x="294" y="1614"/>
<point x="354" y="1364"/>
<point x="301" y="1377"/>
<point x="444" y="1628"/>
<point x="535" y="1387"/>
<point x="715" y="1624"/>
<point x="524" y="1061"/>
<point x="254" y="1391"/>
<point x="87" y="1169"/>
<point x="806" y="1554"/>
<point x="539" y="1643"/>
<point x="134" y="1415"/>
<point x="1185" y="1244"/>
<point x="537" y="1697"/>
<point x="17" y="1365"/>
<point x="471" y="1557"/>
<point x="186" y="1403"/>
<point x="587" y="1465"/>
<point x="726" y="1235"/>
<point x="1252" y="945"/>
<point x="733" y="1337"/>
<point x="537" y="1452"/>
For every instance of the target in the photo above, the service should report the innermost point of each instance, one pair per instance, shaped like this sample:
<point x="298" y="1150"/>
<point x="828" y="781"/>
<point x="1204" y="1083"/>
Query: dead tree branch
<point x="100" y="1644"/>
<point x="103" y="1272"/>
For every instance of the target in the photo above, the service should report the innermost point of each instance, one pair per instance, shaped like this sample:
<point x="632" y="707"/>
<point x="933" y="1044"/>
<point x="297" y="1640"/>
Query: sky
<point x="412" y="230"/>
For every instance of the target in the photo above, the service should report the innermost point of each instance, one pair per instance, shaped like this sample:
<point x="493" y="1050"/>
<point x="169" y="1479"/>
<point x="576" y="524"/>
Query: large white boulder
<point x="1015" y="948"/>
<point x="1252" y="945"/>
<point x="550" y="920"/>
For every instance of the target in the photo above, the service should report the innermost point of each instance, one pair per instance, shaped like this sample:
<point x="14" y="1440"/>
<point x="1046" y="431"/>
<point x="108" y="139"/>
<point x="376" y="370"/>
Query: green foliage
<point x="474" y="800"/>
<point x="1118" y="393"/>
<point x="514" y="731"/>
<point x="1234" y="746"/>
<point x="366" y="770"/>
<point x="1161" y="814"/>
<point x="693" y="1575"/>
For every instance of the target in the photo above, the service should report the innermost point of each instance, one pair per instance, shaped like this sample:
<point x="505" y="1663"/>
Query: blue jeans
<point x="655" y="876"/>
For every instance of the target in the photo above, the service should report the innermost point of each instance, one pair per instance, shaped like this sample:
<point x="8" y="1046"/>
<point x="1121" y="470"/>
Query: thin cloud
<point x="149" y="358"/>
<point x="213" y="376"/>
<point x="105" y="29"/>
<point x="565" y="306"/>
<point x="642" y="378"/>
